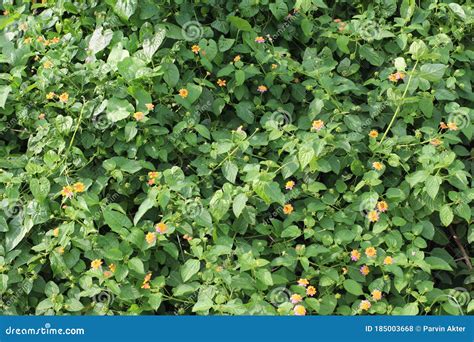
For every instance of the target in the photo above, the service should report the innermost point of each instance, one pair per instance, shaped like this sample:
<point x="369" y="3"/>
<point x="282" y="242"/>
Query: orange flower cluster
<point x="68" y="190"/>
<point x="300" y="310"/>
<point x="146" y="281"/>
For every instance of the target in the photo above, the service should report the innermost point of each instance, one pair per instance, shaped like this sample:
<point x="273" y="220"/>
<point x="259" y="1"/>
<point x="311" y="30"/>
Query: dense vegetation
<point x="236" y="157"/>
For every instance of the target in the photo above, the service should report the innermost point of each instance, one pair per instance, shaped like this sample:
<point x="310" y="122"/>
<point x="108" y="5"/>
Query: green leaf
<point x="239" y="23"/>
<point x="116" y="220"/>
<point x="372" y="56"/>
<point x="170" y="74"/>
<point x="432" y="72"/>
<point x="305" y="154"/>
<point x="270" y="192"/>
<point x="4" y="91"/>
<point x="438" y="264"/>
<point x="151" y="45"/>
<point x="3" y="225"/>
<point x="146" y="205"/>
<point x="291" y="232"/>
<point x="353" y="287"/>
<point x="446" y="215"/>
<point x="155" y="299"/>
<point x="136" y="265"/>
<point x="432" y="184"/>
<point x="342" y="42"/>
<point x="118" y="109"/>
<point x="125" y="8"/>
<point x="40" y="188"/>
<point x="239" y="204"/>
<point x="225" y="44"/>
<point x="244" y="111"/>
<point x="73" y="305"/>
<point x="229" y="170"/>
<point x="189" y="269"/>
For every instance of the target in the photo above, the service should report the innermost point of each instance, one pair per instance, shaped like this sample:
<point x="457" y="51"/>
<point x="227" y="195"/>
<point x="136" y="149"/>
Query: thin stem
<point x="400" y="104"/>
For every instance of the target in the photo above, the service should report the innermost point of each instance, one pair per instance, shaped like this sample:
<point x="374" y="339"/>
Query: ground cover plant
<point x="236" y="157"/>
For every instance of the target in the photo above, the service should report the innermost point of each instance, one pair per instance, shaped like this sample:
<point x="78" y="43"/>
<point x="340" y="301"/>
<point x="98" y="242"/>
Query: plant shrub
<point x="236" y="157"/>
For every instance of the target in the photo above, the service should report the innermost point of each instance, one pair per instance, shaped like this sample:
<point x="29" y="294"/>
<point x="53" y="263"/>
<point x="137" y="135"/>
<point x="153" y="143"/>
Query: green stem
<point x="400" y="104"/>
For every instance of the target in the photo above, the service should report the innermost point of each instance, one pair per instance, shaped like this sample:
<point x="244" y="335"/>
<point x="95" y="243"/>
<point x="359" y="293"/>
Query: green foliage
<point x="202" y="157"/>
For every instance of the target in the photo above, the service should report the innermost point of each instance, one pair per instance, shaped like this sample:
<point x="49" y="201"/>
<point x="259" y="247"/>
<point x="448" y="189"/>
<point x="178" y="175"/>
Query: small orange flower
<point x="55" y="40"/>
<point x="370" y="252"/>
<point x="442" y="125"/>
<point x="48" y="65"/>
<point x="150" y="238"/>
<point x="40" y="39"/>
<point x="112" y="267"/>
<point x="147" y="277"/>
<point x="318" y="125"/>
<point x="237" y="58"/>
<point x="50" y="95"/>
<point x="262" y="89"/>
<point x="67" y="191"/>
<point x="183" y="93"/>
<point x="151" y="181"/>
<point x="373" y="134"/>
<point x="107" y="274"/>
<point x="382" y="206"/>
<point x="260" y="40"/>
<point x="288" y="209"/>
<point x="60" y="250"/>
<point x="138" y="116"/>
<point x="289" y="185"/>
<point x="436" y="142"/>
<point x="64" y="97"/>
<point x="376" y="295"/>
<point x="56" y="232"/>
<point x="221" y="83"/>
<point x="95" y="264"/>
<point x="365" y="305"/>
<point x="452" y="126"/>
<point x="373" y="216"/>
<point x="149" y="106"/>
<point x="311" y="291"/>
<point x="377" y="166"/>
<point x="153" y="174"/>
<point x="392" y="78"/>
<point x="296" y="298"/>
<point x="344" y="270"/>
<point x="303" y="282"/>
<point x="41" y="116"/>
<point x="195" y="49"/>
<point x="27" y="40"/>
<point x="355" y="255"/>
<point x="299" y="310"/>
<point x="364" y="270"/>
<point x="161" y="228"/>
<point x="399" y="75"/>
<point x="146" y="286"/>
<point x="388" y="260"/>
<point x="79" y="187"/>
<point x="274" y="66"/>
